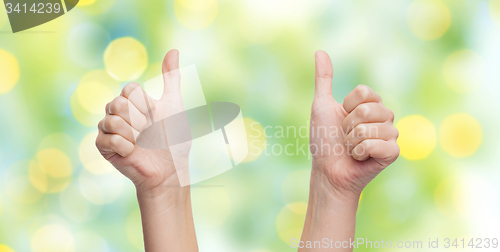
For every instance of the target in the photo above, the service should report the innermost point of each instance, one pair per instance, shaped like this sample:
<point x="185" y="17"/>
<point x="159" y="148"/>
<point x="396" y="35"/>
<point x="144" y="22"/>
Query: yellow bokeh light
<point x="94" y="91"/>
<point x="9" y="71"/>
<point x="5" y="248"/>
<point x="125" y="59"/>
<point x="54" y="163"/>
<point x="464" y="71"/>
<point x="460" y="135"/>
<point x="90" y="157"/>
<point x="494" y="8"/>
<point x="429" y="19"/>
<point x="52" y="238"/>
<point x="256" y="139"/>
<point x="51" y="171"/>
<point x="290" y="221"/>
<point x="85" y="2"/>
<point x="133" y="227"/>
<point x="417" y="137"/>
<point x="195" y="14"/>
<point x="449" y="198"/>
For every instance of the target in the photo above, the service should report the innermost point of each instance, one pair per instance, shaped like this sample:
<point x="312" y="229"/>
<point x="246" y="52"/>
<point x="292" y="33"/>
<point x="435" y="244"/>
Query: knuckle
<point x="362" y="91"/>
<point x="129" y="88"/>
<point x="98" y="142"/>
<point x="391" y="115"/>
<point x="363" y="110"/>
<point x="396" y="132"/>
<point x="118" y="105"/>
<point x="110" y="123"/>
<point x="360" y="131"/>
<point x="115" y="140"/>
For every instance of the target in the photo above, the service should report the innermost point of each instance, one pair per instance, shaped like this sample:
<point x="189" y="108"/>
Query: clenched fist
<point x="351" y="142"/>
<point x="129" y="114"/>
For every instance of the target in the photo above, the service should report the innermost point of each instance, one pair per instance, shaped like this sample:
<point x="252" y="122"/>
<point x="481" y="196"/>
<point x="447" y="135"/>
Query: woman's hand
<point x="166" y="211"/>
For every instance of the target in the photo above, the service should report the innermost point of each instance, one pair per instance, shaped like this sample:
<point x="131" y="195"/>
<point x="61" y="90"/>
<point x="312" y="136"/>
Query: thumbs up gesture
<point x="128" y="115"/>
<point x="166" y="212"/>
<point x="351" y="142"/>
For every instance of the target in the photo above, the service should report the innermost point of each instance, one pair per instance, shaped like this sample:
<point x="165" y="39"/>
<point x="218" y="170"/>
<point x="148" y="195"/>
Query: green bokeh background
<point x="260" y="55"/>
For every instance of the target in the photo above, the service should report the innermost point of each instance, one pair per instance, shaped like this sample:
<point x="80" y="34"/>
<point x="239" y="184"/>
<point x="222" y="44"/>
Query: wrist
<point x="164" y="197"/>
<point x="323" y="189"/>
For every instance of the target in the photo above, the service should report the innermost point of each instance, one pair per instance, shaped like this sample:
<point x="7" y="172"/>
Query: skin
<point x="165" y="206"/>
<point x="365" y="146"/>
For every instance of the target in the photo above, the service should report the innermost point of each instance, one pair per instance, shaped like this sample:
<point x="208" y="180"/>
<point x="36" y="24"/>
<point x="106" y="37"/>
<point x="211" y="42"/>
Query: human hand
<point x="151" y="170"/>
<point x="353" y="142"/>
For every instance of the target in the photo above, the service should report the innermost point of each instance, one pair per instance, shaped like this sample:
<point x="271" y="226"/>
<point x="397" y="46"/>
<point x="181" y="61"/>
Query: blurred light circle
<point x="52" y="238"/>
<point x="86" y="44"/>
<point x="5" y="248"/>
<point x="91" y="158"/>
<point x="460" y="135"/>
<point x="60" y="140"/>
<point x="125" y="59"/>
<point x="290" y="221"/>
<point x="494" y="8"/>
<point x="75" y="206"/>
<point x="429" y="19"/>
<point x="133" y="227"/>
<point x="94" y="7"/>
<point x="291" y="189"/>
<point x="256" y="139"/>
<point x="85" y="2"/>
<point x="195" y="14"/>
<point x="44" y="182"/>
<point x="54" y="163"/>
<point x="9" y="71"/>
<point x="449" y="197"/>
<point x="101" y="189"/>
<point x="18" y="186"/>
<point x="417" y="137"/>
<point x="212" y="204"/>
<point x="464" y="71"/>
<point x="94" y="91"/>
<point x="88" y="241"/>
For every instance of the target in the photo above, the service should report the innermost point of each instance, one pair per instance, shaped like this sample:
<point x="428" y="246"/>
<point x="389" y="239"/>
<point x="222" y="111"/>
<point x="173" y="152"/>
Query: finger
<point x="383" y="152"/>
<point x="141" y="100"/>
<point x="114" y="143"/>
<point x="113" y="124"/>
<point x="125" y="109"/>
<point x="384" y="131"/>
<point x="367" y="113"/>
<point x="171" y="74"/>
<point x="324" y="74"/>
<point x="360" y="94"/>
